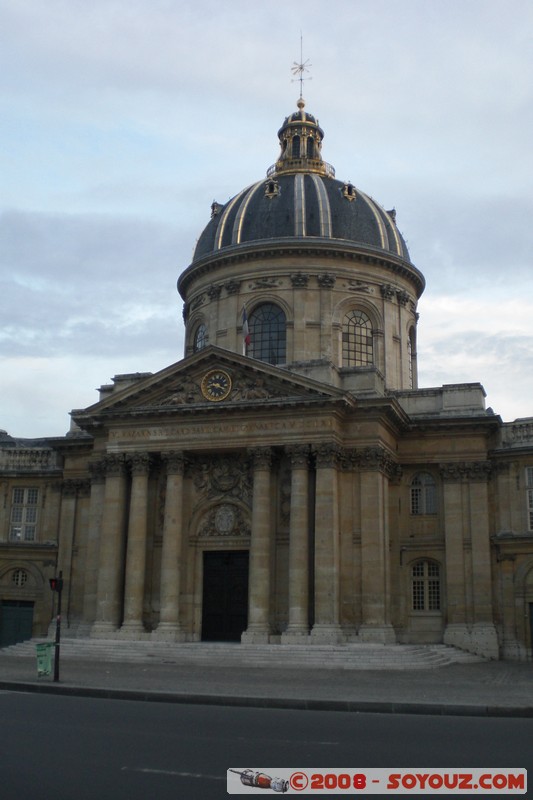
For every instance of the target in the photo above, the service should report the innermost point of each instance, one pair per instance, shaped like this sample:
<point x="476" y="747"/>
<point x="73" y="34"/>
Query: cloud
<point x="124" y="119"/>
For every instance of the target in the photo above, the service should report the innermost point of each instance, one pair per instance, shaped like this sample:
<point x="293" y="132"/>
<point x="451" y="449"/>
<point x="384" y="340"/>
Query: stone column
<point x="133" y="627"/>
<point x="511" y="648"/>
<point x="456" y="632"/>
<point x="375" y="567"/>
<point x="298" y="627"/>
<point x="258" y="630"/>
<point x="67" y="523"/>
<point x="96" y="507"/>
<point x="484" y="636"/>
<point x="110" y="585"/>
<point x="169" y="628"/>
<point x="326" y="628"/>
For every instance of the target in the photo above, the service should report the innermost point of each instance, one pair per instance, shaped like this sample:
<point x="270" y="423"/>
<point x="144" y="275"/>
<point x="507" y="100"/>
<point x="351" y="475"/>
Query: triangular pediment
<point x="194" y="384"/>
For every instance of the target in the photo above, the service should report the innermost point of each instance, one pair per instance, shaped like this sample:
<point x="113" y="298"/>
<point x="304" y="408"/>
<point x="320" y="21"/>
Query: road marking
<point x="175" y="774"/>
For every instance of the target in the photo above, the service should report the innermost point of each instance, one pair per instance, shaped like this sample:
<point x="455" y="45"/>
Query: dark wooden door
<point x="16" y="621"/>
<point x="225" y="595"/>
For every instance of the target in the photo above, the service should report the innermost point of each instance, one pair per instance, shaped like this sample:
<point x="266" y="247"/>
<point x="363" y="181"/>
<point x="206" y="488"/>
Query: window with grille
<point x="200" y="338"/>
<point x="268" y="334"/>
<point x="19" y="578"/>
<point x="423" y="494"/>
<point x="357" y="340"/>
<point x="425" y="586"/>
<point x="23" y="523"/>
<point x="529" y="490"/>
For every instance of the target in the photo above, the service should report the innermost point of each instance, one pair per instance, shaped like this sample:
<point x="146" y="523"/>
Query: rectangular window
<point x="529" y="491"/>
<point x="23" y="527"/>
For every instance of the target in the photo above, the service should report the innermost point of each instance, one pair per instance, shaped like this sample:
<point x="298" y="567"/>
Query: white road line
<point x="171" y="772"/>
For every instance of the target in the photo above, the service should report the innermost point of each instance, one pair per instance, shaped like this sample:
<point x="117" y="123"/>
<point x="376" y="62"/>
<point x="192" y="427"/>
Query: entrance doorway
<point x="225" y="595"/>
<point x="16" y="621"/>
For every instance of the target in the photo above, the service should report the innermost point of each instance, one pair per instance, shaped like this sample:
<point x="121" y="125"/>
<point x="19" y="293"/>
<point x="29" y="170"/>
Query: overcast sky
<point x="122" y="120"/>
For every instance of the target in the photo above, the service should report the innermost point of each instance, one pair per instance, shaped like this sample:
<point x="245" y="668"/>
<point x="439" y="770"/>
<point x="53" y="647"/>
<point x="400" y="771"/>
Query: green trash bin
<point x="44" y="658"/>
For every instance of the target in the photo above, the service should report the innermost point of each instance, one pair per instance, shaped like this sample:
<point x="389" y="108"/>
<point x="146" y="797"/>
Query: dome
<point x="300" y="199"/>
<point x="298" y="205"/>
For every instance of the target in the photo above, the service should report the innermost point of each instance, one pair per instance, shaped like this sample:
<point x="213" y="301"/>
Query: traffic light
<point x="56" y="584"/>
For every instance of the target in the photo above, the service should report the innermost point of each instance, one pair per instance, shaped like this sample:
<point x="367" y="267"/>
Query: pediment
<point x="182" y="386"/>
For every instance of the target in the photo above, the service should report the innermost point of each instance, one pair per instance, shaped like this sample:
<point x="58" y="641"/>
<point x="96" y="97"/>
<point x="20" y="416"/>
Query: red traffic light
<point x="56" y="584"/>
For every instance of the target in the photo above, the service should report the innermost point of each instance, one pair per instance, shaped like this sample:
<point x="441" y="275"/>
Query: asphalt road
<point x="69" y="748"/>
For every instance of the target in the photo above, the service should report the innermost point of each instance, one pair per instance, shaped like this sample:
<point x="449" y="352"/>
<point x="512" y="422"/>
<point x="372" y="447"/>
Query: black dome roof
<point x="300" y="199"/>
<point x="300" y="205"/>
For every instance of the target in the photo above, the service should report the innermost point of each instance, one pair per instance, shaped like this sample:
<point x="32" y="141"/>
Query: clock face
<point x="216" y="385"/>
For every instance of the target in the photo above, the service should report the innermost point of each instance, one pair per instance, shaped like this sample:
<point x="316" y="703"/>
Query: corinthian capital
<point x="174" y="461"/>
<point x="261" y="457"/>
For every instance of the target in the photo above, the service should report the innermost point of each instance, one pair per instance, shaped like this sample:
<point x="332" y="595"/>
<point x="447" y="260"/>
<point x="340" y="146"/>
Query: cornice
<point x="278" y="248"/>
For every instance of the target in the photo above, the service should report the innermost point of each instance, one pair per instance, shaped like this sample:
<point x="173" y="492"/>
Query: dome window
<point x="348" y="191"/>
<point x="268" y="334"/>
<point x="357" y="340"/>
<point x="200" y="338"/>
<point x="310" y="147"/>
<point x="271" y="188"/>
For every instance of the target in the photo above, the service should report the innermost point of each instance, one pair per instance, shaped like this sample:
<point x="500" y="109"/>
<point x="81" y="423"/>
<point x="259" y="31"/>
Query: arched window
<point x="268" y="334"/>
<point x="310" y="147"/>
<point x="411" y="350"/>
<point x="357" y="340"/>
<point x="200" y="337"/>
<point x="423" y="494"/>
<point x="296" y="147"/>
<point x="425" y="586"/>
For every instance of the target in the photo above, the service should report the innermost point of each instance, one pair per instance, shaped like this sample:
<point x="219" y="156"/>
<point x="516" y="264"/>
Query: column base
<point x="104" y="630"/>
<point x="134" y="631"/>
<point x="377" y="634"/>
<point x="485" y="640"/>
<point x="456" y="634"/>
<point x="326" y="634"/>
<point x="512" y="650"/>
<point x="168" y="632"/>
<point x="295" y="636"/>
<point x="255" y="636"/>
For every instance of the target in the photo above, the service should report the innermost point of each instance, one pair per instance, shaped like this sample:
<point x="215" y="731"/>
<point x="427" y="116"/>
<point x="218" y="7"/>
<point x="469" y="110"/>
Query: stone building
<point x="287" y="481"/>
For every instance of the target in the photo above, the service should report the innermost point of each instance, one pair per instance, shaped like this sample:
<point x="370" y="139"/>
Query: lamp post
<point x="56" y="585"/>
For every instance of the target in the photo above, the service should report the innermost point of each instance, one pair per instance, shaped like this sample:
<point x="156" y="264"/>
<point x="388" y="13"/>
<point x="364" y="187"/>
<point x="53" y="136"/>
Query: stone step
<point x="347" y="656"/>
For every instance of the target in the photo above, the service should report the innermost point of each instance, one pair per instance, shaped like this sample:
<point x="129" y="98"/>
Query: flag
<point x="246" y="338"/>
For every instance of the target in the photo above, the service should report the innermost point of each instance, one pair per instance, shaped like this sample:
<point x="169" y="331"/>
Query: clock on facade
<point x="216" y="385"/>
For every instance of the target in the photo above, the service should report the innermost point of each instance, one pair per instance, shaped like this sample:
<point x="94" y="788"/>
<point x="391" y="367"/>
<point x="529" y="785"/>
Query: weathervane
<point x="299" y="69"/>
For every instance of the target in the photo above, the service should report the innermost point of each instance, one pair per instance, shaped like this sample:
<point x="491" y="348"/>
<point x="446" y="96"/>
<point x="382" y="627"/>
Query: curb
<point x="357" y="706"/>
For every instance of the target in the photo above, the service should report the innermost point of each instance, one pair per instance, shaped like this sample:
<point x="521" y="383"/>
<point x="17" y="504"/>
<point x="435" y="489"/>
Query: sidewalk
<point x="492" y="688"/>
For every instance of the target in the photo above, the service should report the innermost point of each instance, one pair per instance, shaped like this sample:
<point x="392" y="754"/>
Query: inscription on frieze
<point x="193" y="430"/>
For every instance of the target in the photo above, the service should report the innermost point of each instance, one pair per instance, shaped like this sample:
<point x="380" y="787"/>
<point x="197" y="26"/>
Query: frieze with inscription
<point x="193" y="430"/>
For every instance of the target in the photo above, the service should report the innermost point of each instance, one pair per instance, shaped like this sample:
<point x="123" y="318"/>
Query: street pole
<point x="58" y="627"/>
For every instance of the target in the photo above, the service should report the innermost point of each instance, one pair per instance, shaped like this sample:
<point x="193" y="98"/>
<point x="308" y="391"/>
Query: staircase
<point x="361" y="656"/>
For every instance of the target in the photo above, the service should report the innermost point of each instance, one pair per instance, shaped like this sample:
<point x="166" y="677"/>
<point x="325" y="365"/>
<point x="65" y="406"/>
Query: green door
<point x="16" y="621"/>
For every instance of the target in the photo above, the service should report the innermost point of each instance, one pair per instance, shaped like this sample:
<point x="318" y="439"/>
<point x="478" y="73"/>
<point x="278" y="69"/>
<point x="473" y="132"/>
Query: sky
<point x="122" y="121"/>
